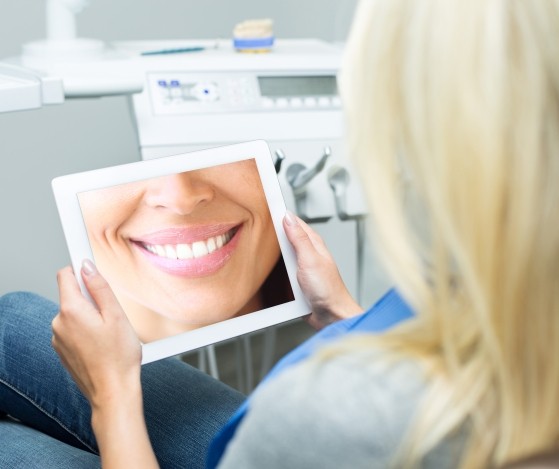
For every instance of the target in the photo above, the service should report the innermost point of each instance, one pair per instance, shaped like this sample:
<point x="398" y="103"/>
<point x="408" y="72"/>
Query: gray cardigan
<point x="351" y="411"/>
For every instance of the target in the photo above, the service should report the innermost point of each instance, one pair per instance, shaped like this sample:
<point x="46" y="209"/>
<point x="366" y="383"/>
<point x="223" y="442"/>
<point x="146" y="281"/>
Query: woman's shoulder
<point x="349" y="409"/>
<point x="360" y="384"/>
<point x="364" y="396"/>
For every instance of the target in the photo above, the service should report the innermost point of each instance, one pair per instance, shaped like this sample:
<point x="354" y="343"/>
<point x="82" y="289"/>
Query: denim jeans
<point x="50" y="420"/>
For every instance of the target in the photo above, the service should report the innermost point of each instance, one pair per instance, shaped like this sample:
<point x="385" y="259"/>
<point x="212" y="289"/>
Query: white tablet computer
<point x="192" y="245"/>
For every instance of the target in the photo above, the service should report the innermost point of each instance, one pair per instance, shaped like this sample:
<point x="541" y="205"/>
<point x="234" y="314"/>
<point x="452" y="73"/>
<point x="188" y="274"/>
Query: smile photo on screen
<point x="189" y="249"/>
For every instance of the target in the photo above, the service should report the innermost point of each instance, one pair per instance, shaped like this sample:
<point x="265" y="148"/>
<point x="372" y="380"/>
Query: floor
<point x="233" y="356"/>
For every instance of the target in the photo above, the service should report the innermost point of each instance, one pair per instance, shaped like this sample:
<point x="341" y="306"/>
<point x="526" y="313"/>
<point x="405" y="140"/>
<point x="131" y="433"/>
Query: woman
<point x="453" y="121"/>
<point x="187" y="250"/>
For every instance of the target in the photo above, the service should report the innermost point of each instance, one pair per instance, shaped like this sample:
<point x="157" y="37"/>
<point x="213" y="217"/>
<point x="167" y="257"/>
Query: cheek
<point x="103" y="220"/>
<point x="267" y="234"/>
<point x="106" y="210"/>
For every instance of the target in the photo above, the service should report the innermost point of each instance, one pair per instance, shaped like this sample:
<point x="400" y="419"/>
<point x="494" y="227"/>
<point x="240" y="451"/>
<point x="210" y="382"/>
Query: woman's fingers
<point x="314" y="238"/>
<point x="95" y="342"/>
<point x="72" y="299"/>
<point x="68" y="288"/>
<point x="318" y="275"/>
<point x="298" y="236"/>
<point x="99" y="289"/>
<point x="308" y="245"/>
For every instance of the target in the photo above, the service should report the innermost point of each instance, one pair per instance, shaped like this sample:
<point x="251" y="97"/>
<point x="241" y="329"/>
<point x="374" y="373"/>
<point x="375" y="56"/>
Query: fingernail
<point x="290" y="218"/>
<point x="88" y="267"/>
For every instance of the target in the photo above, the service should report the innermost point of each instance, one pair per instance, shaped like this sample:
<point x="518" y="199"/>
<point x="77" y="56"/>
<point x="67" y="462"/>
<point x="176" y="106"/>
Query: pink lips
<point x="196" y="266"/>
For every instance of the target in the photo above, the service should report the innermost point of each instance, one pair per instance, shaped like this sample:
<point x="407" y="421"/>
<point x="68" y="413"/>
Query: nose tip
<point x="181" y="193"/>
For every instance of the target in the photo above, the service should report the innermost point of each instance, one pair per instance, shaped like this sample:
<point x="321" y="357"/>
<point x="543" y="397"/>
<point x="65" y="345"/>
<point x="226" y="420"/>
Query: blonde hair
<point x="457" y="101"/>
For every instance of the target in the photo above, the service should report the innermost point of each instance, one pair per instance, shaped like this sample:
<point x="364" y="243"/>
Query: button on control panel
<point x="182" y="93"/>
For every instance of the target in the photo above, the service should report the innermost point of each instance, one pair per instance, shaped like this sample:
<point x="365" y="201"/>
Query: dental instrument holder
<point x="298" y="177"/>
<point x="339" y="179"/>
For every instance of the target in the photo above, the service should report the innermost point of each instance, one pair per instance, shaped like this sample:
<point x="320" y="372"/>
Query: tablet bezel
<point x="66" y="190"/>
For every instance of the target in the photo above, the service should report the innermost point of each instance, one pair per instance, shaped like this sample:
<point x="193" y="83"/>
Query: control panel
<point x="188" y="93"/>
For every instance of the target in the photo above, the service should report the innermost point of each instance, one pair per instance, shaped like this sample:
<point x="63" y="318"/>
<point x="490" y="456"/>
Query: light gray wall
<point x="36" y="146"/>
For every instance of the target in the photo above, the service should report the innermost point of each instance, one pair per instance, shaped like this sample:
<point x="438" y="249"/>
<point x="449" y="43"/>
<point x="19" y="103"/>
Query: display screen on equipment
<point x="297" y="86"/>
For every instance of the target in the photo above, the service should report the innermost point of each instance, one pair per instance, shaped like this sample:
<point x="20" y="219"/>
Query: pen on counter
<point x="179" y="50"/>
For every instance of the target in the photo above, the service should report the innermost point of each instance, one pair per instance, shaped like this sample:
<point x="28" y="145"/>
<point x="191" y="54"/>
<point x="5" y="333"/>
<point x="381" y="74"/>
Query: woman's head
<point x="453" y="118"/>
<point x="194" y="247"/>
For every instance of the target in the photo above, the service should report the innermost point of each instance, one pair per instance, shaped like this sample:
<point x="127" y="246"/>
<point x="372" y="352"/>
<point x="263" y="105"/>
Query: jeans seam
<point x="48" y="414"/>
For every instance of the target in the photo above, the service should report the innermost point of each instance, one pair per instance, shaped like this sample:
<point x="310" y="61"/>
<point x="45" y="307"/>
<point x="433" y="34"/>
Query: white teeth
<point x="189" y="251"/>
<point x="199" y="249"/>
<point x="184" y="251"/>
<point x="170" y="252"/>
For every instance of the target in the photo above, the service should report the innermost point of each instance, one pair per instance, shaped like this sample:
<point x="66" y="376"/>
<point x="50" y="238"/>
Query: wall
<point x="79" y="135"/>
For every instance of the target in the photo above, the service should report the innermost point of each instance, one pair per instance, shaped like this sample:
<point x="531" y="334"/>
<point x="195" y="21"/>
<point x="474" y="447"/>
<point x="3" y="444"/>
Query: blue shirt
<point x="388" y="311"/>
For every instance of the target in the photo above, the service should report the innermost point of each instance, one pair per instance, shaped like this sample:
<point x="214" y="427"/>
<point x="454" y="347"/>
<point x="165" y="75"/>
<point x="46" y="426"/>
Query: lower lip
<point x="196" y="267"/>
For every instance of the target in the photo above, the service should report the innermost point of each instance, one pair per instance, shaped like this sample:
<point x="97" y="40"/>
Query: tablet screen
<point x="189" y="249"/>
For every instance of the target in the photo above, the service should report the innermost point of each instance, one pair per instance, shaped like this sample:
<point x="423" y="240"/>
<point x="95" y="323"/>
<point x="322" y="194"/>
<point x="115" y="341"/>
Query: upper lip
<point x="184" y="235"/>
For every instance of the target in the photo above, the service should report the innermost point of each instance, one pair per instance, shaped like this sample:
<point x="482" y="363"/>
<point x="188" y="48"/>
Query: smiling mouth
<point x="194" y="250"/>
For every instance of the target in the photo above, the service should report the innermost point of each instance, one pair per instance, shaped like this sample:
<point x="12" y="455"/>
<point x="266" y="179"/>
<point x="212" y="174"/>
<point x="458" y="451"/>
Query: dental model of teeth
<point x="189" y="251"/>
<point x="254" y="35"/>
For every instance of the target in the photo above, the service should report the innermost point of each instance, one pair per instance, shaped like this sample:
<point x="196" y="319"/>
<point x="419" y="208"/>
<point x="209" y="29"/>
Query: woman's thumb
<point x="98" y="287"/>
<point x="297" y="236"/>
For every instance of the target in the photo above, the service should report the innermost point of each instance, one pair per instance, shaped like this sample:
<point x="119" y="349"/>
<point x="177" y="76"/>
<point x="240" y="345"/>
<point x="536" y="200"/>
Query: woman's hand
<point x="103" y="354"/>
<point x="318" y="275"/>
<point x="97" y="346"/>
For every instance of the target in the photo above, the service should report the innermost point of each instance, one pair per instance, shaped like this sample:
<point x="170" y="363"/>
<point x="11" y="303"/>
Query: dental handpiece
<point x="338" y="179"/>
<point x="280" y="156"/>
<point x="298" y="175"/>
